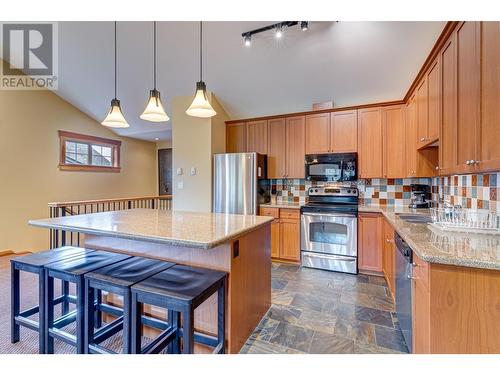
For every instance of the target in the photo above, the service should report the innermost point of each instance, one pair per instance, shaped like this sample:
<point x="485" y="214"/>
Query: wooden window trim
<point x="88" y="139"/>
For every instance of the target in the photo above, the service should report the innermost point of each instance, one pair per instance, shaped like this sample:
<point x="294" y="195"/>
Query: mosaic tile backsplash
<point x="470" y="191"/>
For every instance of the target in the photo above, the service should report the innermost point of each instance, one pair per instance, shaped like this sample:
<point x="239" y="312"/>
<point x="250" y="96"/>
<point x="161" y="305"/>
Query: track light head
<point x="279" y="32"/>
<point x="248" y="40"/>
<point x="304" y="25"/>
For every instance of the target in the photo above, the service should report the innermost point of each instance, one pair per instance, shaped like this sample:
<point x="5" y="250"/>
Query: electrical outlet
<point x="180" y="185"/>
<point x="193" y="171"/>
<point x="179" y="171"/>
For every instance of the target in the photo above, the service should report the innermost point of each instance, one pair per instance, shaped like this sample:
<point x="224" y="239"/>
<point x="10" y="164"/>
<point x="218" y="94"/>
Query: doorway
<point x="165" y="171"/>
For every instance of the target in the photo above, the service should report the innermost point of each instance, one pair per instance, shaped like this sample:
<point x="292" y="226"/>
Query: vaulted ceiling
<point x="347" y="62"/>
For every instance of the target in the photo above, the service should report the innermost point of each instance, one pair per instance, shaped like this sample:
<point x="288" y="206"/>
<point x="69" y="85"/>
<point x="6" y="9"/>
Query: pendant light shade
<point x="115" y="118"/>
<point x="200" y="107"/>
<point x="154" y="111"/>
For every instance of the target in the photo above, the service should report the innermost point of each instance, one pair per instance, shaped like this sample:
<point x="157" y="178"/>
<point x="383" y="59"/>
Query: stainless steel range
<point x="329" y="228"/>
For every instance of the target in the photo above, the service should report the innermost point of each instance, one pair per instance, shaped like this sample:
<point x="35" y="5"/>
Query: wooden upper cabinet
<point x="344" y="131"/>
<point x="448" y="107"/>
<point x="370" y="142"/>
<point x="318" y="133"/>
<point x="257" y="136"/>
<point x="411" y="137"/>
<point x="422" y="112"/>
<point x="468" y="91"/>
<point x="276" y="156"/>
<point x="395" y="139"/>
<point x="236" y="137"/>
<point x="433" y="101"/>
<point x="489" y="149"/>
<point x="295" y="146"/>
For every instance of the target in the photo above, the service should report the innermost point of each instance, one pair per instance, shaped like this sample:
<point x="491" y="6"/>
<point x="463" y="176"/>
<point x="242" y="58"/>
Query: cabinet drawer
<point x="268" y="211"/>
<point x="421" y="271"/>
<point x="286" y="213"/>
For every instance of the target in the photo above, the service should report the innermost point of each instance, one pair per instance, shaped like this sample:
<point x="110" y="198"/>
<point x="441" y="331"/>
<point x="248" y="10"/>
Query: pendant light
<point x="200" y="107"/>
<point x="115" y="118"/>
<point x="154" y="109"/>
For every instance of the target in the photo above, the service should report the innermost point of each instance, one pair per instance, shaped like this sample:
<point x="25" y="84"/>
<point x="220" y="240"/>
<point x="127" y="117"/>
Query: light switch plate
<point x="180" y="185"/>
<point x="179" y="171"/>
<point x="193" y="171"/>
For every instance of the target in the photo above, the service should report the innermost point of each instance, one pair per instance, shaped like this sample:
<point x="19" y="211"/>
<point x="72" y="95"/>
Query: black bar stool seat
<point x="72" y="270"/>
<point x="116" y="278"/>
<point x="180" y="289"/>
<point x="34" y="263"/>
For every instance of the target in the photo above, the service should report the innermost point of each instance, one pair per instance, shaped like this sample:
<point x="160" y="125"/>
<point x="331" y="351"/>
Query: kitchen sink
<point x="415" y="218"/>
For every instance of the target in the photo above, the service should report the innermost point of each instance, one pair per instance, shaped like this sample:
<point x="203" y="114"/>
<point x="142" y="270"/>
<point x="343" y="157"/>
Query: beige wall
<point x="194" y="141"/>
<point x="29" y="155"/>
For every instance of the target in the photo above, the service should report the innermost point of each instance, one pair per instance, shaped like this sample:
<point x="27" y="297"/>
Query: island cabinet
<point x="285" y="233"/>
<point x="370" y="227"/>
<point x="455" y="309"/>
<point x="332" y="132"/>
<point x="256" y="136"/>
<point x="370" y="142"/>
<point x="236" y="137"/>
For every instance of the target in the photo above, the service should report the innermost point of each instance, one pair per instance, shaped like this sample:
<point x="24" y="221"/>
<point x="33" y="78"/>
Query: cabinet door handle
<point x="468" y="162"/>
<point x="422" y="139"/>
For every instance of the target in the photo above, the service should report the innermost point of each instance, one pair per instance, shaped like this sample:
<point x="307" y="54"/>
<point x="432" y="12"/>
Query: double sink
<point x="412" y="218"/>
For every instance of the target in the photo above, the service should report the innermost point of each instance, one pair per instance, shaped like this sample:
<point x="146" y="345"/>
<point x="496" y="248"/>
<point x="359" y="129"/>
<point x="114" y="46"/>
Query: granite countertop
<point x="179" y="228"/>
<point x="293" y="205"/>
<point x="437" y="246"/>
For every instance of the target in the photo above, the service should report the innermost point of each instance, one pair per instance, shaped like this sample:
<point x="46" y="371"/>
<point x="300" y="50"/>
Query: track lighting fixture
<point x="278" y="28"/>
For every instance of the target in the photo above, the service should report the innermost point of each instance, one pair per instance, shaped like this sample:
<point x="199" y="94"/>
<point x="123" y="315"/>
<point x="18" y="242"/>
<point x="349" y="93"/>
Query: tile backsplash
<point x="388" y="191"/>
<point x="470" y="191"/>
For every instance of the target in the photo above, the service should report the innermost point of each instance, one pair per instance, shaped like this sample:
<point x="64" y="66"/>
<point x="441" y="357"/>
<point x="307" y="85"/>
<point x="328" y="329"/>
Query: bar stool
<point x="116" y="278"/>
<point x="180" y="289"/>
<point x="34" y="263"/>
<point x="72" y="270"/>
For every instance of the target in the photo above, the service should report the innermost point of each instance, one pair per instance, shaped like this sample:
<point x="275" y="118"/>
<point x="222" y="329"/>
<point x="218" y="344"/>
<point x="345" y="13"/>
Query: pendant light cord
<point x="115" y="59"/>
<point x="201" y="50"/>
<point x="154" y="55"/>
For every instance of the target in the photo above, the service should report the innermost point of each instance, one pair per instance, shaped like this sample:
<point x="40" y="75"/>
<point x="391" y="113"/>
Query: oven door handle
<point x="328" y="215"/>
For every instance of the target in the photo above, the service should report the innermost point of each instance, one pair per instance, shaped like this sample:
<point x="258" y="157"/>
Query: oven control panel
<point x="343" y="191"/>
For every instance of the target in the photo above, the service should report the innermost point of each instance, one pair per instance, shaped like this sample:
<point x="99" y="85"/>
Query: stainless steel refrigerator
<point x="240" y="183"/>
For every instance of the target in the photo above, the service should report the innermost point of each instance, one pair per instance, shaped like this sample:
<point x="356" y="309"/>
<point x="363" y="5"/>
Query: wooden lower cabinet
<point x="389" y="257"/>
<point x="370" y="242"/>
<point x="285" y="233"/>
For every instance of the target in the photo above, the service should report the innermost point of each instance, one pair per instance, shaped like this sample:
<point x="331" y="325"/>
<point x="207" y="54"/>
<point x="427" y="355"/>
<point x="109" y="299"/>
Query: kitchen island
<point x="237" y="244"/>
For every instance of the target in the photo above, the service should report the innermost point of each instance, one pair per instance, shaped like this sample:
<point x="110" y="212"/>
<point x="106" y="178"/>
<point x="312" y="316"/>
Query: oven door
<point x="335" y="233"/>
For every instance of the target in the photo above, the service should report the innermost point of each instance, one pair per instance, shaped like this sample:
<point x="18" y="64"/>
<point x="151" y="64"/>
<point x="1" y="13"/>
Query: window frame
<point x="89" y="140"/>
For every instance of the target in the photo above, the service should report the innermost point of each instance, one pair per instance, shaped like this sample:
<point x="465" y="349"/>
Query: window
<point x="80" y="152"/>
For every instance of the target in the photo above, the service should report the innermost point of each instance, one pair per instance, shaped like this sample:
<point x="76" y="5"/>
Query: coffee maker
<point x="420" y="196"/>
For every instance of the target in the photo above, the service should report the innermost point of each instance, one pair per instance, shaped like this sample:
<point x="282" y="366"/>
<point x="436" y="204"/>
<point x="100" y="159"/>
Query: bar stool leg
<point x="126" y="323"/>
<point x="41" y="311"/>
<point x="176" y="322"/>
<point x="49" y="313"/>
<point x="221" y="316"/>
<point x="80" y="313"/>
<point x="14" y="303"/>
<point x="170" y="318"/>
<point x="65" y="293"/>
<point x="89" y="317"/>
<point x="136" y="310"/>
<point x="98" y="312"/>
<point x="188" y="331"/>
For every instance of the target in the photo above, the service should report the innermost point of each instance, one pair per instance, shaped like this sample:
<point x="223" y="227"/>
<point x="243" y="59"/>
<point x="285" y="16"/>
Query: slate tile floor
<point x="317" y="312"/>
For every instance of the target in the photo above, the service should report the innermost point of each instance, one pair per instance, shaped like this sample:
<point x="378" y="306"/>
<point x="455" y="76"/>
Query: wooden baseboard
<point x="370" y="273"/>
<point x="278" y="260"/>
